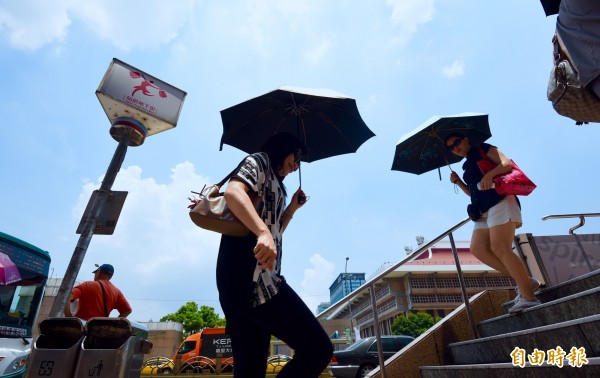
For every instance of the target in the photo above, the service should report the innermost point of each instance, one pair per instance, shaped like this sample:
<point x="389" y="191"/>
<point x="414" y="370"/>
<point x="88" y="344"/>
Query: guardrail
<point x="580" y="216"/>
<point x="369" y="286"/>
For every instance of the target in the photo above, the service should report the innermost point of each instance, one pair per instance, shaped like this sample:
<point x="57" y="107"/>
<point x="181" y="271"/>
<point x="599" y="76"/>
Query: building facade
<point x="429" y="283"/>
<point x="345" y="284"/>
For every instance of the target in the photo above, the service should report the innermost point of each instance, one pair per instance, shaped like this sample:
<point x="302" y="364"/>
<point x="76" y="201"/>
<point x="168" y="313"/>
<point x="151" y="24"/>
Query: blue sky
<point x="402" y="60"/>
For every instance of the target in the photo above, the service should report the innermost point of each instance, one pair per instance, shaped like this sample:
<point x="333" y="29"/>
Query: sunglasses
<point x="455" y="144"/>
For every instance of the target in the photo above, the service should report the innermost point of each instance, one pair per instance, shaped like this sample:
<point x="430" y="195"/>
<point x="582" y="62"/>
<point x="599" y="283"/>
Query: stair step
<point x="579" y="333"/>
<point x="502" y="370"/>
<point x="579" y="305"/>
<point x="576" y="285"/>
<point x="573" y="286"/>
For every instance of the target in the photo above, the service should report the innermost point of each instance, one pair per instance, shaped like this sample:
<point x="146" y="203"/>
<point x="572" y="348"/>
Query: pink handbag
<point x="514" y="182"/>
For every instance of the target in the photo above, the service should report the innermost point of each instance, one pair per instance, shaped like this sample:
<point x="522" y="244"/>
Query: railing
<point x="370" y="286"/>
<point x="580" y="216"/>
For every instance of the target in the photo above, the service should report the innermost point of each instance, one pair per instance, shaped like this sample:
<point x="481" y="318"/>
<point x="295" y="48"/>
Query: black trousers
<point x="286" y="317"/>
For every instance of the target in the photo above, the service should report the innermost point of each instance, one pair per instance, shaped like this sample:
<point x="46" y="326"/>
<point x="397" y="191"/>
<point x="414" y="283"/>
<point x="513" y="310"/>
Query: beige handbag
<point x="210" y="210"/>
<point x="568" y="97"/>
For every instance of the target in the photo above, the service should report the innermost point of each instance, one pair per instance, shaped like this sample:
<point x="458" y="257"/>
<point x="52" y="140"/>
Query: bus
<point x="20" y="301"/>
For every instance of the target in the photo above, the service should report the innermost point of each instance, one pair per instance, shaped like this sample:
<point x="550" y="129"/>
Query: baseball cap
<point x="105" y="268"/>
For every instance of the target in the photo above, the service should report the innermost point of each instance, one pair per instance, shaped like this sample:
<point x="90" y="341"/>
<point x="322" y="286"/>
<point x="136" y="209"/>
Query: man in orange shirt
<point x="99" y="297"/>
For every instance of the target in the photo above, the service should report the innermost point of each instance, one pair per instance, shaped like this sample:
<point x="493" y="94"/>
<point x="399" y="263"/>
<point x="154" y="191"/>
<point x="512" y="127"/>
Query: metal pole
<point x="88" y="229"/>
<point x="377" y="331"/>
<point x="347" y="284"/>
<point x="461" y="280"/>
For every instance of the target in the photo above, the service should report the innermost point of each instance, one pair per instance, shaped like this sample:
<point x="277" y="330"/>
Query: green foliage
<point x="414" y="325"/>
<point x="194" y="319"/>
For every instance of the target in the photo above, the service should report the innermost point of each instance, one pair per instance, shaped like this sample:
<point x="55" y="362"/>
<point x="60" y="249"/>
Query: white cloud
<point x="263" y="22"/>
<point x="316" y="282"/>
<point x="409" y="14"/>
<point x="457" y="68"/>
<point x="32" y="24"/>
<point x="161" y="258"/>
<point x="316" y="54"/>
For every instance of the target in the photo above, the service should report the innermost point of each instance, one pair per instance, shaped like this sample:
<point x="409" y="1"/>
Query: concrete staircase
<point x="569" y="318"/>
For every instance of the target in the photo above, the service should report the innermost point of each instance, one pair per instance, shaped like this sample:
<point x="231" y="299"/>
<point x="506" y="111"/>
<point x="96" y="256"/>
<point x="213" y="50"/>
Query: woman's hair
<point x="453" y="134"/>
<point x="278" y="147"/>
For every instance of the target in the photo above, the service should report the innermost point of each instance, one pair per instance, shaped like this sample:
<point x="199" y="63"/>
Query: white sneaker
<point x="522" y="304"/>
<point x="535" y="286"/>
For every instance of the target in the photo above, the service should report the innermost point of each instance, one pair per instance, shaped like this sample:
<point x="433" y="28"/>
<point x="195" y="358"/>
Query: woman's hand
<point x="486" y="182"/>
<point x="298" y="200"/>
<point x="265" y="251"/>
<point x="454" y="178"/>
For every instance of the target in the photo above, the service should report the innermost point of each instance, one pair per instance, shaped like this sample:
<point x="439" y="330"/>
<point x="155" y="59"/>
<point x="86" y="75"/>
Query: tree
<point x="414" y="325"/>
<point x="194" y="319"/>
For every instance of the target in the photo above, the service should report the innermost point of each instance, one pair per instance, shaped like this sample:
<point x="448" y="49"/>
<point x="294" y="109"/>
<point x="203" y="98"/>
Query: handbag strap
<point x="482" y="153"/>
<point x="222" y="182"/>
<point x="106" y="313"/>
<point x="560" y="52"/>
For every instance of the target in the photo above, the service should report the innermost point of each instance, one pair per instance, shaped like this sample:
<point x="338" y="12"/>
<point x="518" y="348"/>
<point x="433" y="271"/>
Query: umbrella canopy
<point x="424" y="149"/>
<point x="9" y="273"/>
<point x="550" y="6"/>
<point x="327" y="122"/>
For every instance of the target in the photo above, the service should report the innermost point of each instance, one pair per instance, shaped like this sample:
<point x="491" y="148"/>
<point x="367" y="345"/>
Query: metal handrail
<point x="580" y="216"/>
<point x="370" y="288"/>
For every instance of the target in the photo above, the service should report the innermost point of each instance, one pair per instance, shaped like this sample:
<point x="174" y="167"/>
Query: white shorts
<point x="505" y="211"/>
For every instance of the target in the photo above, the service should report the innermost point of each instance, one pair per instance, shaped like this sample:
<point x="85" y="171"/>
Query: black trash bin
<point x="112" y="348"/>
<point x="56" y="350"/>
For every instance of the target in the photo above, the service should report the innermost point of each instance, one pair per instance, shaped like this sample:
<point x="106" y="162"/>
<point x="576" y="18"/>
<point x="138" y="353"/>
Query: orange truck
<point x="210" y="343"/>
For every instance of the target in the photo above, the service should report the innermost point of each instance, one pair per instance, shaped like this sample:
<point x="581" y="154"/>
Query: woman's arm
<point x="455" y="179"/>
<point x="294" y="205"/>
<point x="503" y="165"/>
<point x="236" y="196"/>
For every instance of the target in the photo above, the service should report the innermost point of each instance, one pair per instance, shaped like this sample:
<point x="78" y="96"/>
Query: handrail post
<point x="581" y="223"/>
<point x="377" y="331"/>
<point x="463" y="288"/>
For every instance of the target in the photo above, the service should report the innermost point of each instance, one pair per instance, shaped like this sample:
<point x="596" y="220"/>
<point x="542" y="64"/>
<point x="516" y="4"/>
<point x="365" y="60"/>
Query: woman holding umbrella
<point x="256" y="300"/>
<point x="497" y="217"/>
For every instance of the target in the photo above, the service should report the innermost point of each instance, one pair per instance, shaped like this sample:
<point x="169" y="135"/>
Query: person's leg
<point x="288" y="318"/>
<point x="501" y="241"/>
<point x="249" y="343"/>
<point x="250" y="346"/>
<point x="481" y="248"/>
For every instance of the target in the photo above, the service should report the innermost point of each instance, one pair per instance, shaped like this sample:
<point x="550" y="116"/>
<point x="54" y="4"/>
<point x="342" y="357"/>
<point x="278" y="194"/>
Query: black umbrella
<point x="424" y="148"/>
<point x="550" y="6"/>
<point x="327" y="122"/>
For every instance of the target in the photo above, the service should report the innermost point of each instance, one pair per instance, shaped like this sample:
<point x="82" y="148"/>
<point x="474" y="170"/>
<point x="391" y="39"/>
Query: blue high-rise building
<point x="344" y="284"/>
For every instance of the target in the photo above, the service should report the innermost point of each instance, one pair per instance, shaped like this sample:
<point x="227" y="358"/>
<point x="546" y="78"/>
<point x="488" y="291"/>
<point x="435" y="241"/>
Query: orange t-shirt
<point x="91" y="302"/>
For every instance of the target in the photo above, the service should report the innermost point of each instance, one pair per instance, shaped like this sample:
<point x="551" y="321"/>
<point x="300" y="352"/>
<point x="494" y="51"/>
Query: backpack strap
<point x="106" y="313"/>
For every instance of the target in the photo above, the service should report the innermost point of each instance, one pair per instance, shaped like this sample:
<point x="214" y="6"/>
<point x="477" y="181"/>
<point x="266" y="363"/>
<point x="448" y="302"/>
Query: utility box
<point x="56" y="350"/>
<point x="112" y="348"/>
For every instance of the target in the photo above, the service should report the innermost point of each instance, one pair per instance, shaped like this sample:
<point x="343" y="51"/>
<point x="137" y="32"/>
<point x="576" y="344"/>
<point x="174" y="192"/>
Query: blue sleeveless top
<point x="484" y="199"/>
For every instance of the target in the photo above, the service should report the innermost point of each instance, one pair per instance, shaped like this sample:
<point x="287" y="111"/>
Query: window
<point x="389" y="345"/>
<point x="188" y="346"/>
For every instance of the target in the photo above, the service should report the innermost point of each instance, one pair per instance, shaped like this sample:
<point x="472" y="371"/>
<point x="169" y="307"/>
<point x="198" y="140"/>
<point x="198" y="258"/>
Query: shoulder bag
<point x="568" y="97"/>
<point x="514" y="182"/>
<point x="210" y="210"/>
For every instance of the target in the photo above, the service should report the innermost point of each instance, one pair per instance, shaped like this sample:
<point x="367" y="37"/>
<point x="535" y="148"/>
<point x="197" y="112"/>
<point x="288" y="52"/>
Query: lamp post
<point x="347" y="285"/>
<point x="137" y="105"/>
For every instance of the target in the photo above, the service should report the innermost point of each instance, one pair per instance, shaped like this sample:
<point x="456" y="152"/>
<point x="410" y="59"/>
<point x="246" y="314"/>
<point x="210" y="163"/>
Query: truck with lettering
<point x="205" y="350"/>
